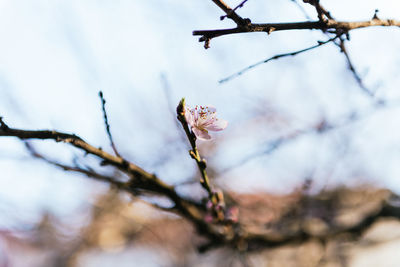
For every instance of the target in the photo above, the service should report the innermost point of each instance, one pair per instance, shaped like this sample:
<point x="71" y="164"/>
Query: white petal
<point x="206" y="122"/>
<point x="217" y="125"/>
<point x="189" y="117"/>
<point x="201" y="134"/>
<point x="211" y="109"/>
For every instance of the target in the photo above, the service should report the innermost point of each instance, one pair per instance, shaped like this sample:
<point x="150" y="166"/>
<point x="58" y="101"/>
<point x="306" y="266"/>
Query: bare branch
<point x="237" y="7"/>
<point x="230" y="13"/>
<point x="88" y="173"/>
<point x="338" y="26"/>
<point x="226" y="235"/>
<point x="103" y="105"/>
<point x="322" y="13"/>
<point x="341" y="44"/>
<point x="353" y="69"/>
<point x="320" y="43"/>
<point x="140" y="179"/>
<point x="77" y="142"/>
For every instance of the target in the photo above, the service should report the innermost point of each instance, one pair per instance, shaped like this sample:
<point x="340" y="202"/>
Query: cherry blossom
<point x="202" y="119"/>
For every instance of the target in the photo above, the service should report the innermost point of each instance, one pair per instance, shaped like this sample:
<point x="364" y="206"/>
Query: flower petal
<point x="201" y="134"/>
<point x="211" y="109"/>
<point x="217" y="125"/>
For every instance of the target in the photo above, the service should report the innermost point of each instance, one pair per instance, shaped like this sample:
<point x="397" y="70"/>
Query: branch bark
<point x="337" y="26"/>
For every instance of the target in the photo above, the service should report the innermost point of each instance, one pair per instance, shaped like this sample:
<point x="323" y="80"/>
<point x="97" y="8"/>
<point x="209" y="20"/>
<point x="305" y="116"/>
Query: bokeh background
<point x="295" y="120"/>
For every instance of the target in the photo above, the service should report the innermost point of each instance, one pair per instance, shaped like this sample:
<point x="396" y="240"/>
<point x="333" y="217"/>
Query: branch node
<point x="192" y="154"/>
<point x="203" y="164"/>
<point x="110" y="138"/>
<point x="207" y="43"/>
<point x="375" y="17"/>
<point x="3" y="125"/>
<point x="270" y="30"/>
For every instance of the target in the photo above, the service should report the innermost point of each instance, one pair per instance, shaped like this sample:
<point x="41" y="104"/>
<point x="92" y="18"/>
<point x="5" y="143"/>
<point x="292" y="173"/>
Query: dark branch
<point x="353" y="69"/>
<point x="338" y="26"/>
<point x="320" y="43"/>
<point x="322" y="13"/>
<point x="88" y="173"/>
<point x="103" y="105"/>
<point x="237" y="7"/>
<point x="230" y="13"/>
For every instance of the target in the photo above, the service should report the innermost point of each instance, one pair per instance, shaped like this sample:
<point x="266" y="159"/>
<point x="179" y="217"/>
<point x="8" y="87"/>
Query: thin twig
<point x="237" y="7"/>
<point x="276" y="57"/>
<point x="230" y="13"/>
<point x="171" y="107"/>
<point x="320" y="10"/>
<point x="103" y="105"/>
<point x="89" y="173"/>
<point x="240" y="5"/>
<point x="353" y="69"/>
<point x="302" y="9"/>
<point x="341" y="45"/>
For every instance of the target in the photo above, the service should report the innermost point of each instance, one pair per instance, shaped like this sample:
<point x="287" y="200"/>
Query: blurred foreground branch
<point x="236" y="236"/>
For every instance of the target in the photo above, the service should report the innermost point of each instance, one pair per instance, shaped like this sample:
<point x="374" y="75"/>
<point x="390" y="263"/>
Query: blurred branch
<point x="320" y="127"/>
<point x="89" y="173"/>
<point x="301" y="9"/>
<point x="171" y="106"/>
<point x="218" y="235"/>
<point x="140" y="179"/>
<point x="301" y="236"/>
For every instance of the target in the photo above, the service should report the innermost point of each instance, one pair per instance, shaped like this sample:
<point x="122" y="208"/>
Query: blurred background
<point x="299" y="128"/>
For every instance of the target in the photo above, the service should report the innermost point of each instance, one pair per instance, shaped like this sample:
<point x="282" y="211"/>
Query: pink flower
<point x="203" y="119"/>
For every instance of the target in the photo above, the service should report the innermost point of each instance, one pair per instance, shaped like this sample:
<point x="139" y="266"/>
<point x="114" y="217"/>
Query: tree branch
<point x="337" y="26"/>
<point x="103" y="105"/>
<point x="353" y="70"/>
<point x="230" y="13"/>
<point x="88" y="173"/>
<point x="320" y="43"/>
<point x="140" y="179"/>
<point x="236" y="237"/>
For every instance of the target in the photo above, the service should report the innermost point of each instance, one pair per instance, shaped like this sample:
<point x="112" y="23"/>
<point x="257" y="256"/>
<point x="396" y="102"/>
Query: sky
<point x="56" y="55"/>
